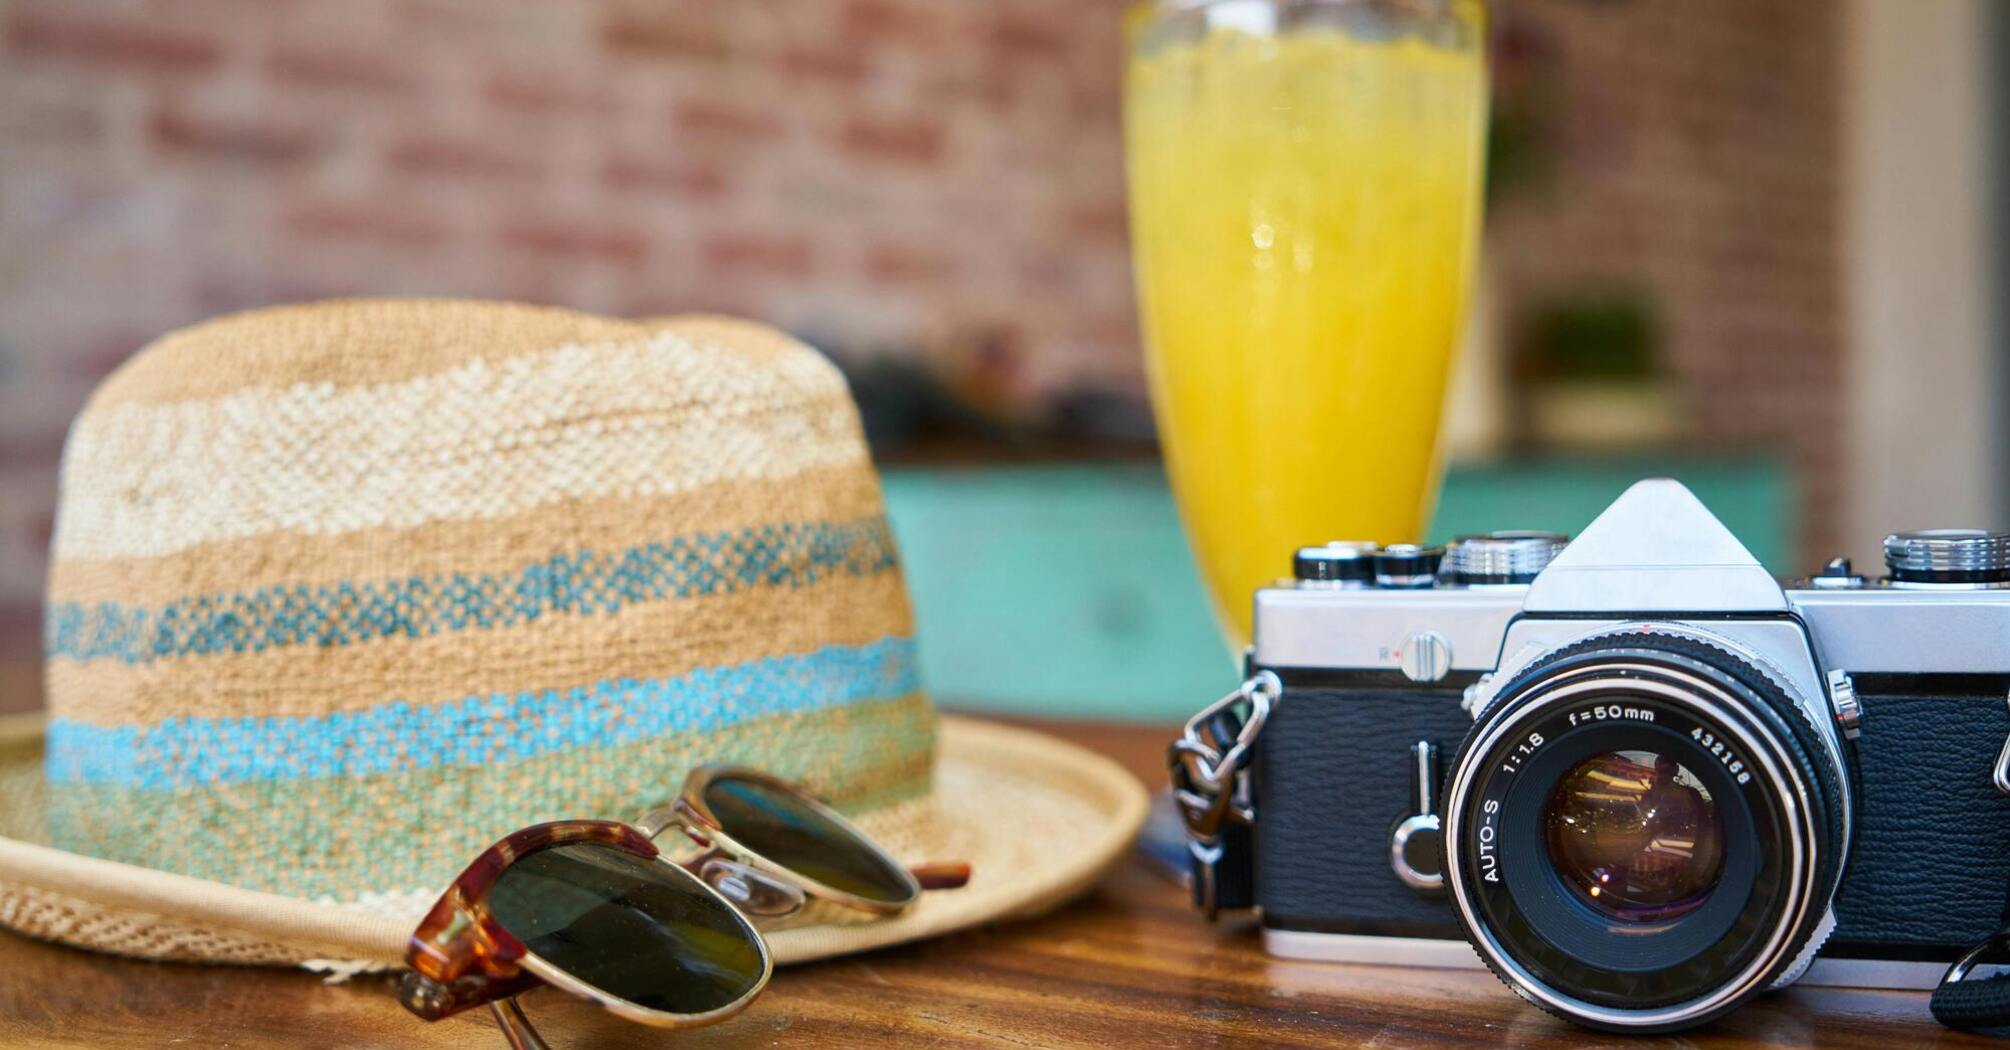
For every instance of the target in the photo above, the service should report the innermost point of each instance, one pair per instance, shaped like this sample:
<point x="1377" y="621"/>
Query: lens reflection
<point x="1635" y="835"/>
<point x="787" y="829"/>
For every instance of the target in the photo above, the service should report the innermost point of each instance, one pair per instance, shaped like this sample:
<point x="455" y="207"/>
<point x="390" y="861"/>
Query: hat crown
<point x="344" y="592"/>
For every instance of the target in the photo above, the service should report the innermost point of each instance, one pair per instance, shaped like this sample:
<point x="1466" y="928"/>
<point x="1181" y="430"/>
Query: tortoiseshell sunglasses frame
<point x="461" y="958"/>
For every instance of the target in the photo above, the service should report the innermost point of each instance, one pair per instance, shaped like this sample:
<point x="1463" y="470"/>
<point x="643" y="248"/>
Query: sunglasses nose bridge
<point x="753" y="891"/>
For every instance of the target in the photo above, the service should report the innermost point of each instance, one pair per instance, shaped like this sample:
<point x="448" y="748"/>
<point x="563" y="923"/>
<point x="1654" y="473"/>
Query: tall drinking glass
<point x="1305" y="205"/>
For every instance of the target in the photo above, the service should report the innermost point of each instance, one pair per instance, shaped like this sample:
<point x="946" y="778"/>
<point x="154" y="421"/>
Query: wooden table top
<point x="1129" y="965"/>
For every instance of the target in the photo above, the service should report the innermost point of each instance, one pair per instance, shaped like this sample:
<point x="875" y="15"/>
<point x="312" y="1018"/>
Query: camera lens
<point x="1644" y="828"/>
<point x="1635" y="835"/>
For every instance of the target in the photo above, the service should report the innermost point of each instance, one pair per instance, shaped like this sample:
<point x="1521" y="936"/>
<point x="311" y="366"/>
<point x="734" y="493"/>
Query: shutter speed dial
<point x="1928" y="557"/>
<point x="1512" y="556"/>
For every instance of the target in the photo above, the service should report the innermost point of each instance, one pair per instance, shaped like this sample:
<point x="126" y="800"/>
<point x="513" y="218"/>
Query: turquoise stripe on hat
<point x="345" y="837"/>
<point x="582" y="583"/>
<point x="475" y="730"/>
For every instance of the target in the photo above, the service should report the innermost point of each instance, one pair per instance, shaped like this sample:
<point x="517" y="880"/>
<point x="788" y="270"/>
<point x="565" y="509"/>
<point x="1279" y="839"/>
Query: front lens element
<point x="1635" y="835"/>
<point x="637" y="929"/>
<point x="789" y="829"/>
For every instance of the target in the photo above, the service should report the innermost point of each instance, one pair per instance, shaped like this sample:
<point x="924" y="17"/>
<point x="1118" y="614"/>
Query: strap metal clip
<point x="1967" y="1002"/>
<point x="1209" y="779"/>
<point x="1994" y="944"/>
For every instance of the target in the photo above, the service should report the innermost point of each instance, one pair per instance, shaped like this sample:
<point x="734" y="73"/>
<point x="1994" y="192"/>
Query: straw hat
<point x="345" y="592"/>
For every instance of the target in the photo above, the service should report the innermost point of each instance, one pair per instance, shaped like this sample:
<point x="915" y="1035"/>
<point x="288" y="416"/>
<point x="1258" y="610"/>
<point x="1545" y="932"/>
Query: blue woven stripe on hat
<point x="581" y="583"/>
<point x="474" y="730"/>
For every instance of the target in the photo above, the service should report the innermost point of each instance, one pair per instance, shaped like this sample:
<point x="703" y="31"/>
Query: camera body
<point x="1634" y="774"/>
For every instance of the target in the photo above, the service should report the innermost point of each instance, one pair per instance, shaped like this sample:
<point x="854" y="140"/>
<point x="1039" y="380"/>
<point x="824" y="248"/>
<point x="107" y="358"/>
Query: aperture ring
<point x="1672" y="667"/>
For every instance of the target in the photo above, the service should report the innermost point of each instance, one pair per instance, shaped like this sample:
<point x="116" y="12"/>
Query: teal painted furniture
<point x="1068" y="591"/>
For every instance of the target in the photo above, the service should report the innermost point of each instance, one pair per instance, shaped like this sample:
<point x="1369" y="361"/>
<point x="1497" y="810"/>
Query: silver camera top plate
<point x="1655" y="554"/>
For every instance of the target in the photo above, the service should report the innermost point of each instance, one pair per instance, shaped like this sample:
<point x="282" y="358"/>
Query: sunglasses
<point x="593" y="908"/>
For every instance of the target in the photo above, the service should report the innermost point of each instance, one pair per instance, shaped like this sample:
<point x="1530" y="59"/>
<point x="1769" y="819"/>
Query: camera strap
<point x="1210" y="780"/>
<point x="1962" y="1000"/>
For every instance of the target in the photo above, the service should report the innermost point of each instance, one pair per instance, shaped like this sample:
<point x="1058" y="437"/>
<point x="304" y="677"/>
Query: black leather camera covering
<point x="1332" y="781"/>
<point x="1930" y="858"/>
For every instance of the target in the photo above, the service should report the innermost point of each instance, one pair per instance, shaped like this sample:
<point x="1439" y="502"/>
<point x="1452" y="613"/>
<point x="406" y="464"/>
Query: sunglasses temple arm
<point x="941" y="875"/>
<point x="516" y="1028"/>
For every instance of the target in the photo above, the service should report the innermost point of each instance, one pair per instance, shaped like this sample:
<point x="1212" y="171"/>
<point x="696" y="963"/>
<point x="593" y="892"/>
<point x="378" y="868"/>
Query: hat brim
<point x="1036" y="818"/>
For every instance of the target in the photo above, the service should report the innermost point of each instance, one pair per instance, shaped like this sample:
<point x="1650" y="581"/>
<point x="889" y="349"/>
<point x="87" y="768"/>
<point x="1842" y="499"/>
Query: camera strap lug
<point x="1210" y="782"/>
<point x="2001" y="773"/>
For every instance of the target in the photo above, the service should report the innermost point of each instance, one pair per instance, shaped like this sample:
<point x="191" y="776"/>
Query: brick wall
<point x="1696" y="151"/>
<point x="917" y="174"/>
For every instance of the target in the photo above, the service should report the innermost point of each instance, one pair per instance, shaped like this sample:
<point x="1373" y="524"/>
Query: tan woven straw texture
<point x="1036" y="818"/>
<point x="343" y="593"/>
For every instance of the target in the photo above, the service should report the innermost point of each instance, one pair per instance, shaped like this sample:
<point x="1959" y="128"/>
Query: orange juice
<point x="1305" y="206"/>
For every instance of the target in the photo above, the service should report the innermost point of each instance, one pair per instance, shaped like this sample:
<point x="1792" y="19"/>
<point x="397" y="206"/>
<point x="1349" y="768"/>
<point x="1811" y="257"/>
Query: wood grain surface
<point x="1129" y="965"/>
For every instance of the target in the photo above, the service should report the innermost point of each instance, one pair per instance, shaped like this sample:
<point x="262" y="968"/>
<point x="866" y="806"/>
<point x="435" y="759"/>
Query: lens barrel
<point x="1643" y="830"/>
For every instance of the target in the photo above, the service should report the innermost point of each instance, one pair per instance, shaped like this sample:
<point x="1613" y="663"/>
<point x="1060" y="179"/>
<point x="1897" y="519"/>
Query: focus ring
<point x="1797" y="746"/>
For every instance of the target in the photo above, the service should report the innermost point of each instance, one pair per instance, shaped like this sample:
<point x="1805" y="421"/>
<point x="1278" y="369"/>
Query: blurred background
<point x="1751" y="243"/>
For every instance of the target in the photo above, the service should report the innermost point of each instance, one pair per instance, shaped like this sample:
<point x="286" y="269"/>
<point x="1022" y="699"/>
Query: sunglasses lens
<point x="634" y="928"/>
<point x="793" y="832"/>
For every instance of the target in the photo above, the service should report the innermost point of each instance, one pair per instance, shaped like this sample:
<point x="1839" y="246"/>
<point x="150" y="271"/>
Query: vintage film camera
<point x="1642" y="779"/>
